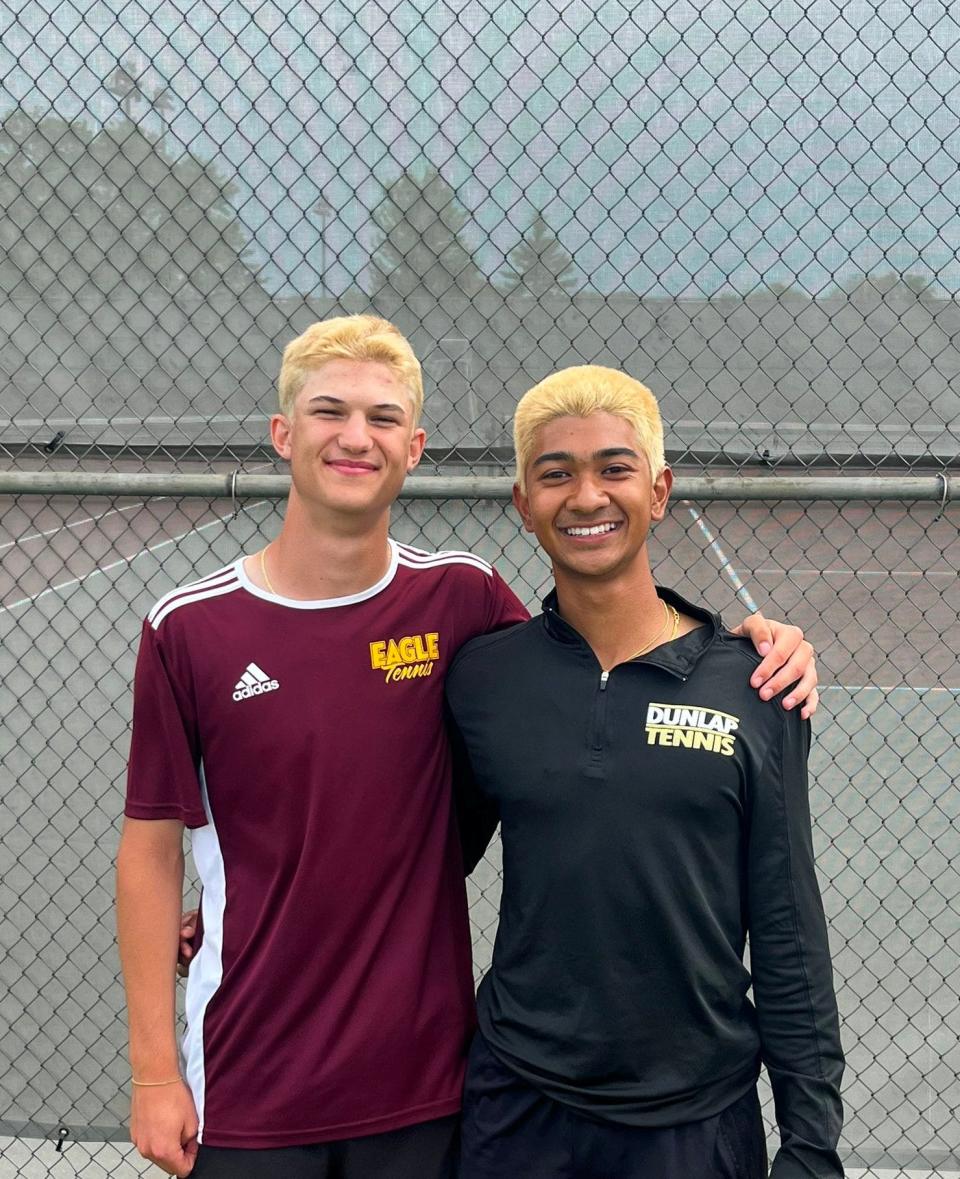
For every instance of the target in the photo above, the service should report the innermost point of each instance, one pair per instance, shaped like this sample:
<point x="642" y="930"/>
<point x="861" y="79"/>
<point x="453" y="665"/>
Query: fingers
<point x="188" y="1160"/>
<point x="191" y="1128"/>
<point x="184" y="955"/>
<point x="188" y="931"/>
<point x="164" y="1128"/>
<point x="804" y="691"/>
<point x="810" y="707"/>
<point x="759" y="631"/>
<point x="799" y="673"/>
<point x="788" y="659"/>
<point x="788" y="643"/>
<point x="173" y="1160"/>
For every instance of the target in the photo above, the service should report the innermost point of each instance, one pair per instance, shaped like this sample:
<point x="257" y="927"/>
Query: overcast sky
<point x="674" y="148"/>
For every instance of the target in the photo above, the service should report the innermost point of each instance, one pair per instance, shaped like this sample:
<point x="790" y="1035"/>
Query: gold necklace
<point x="263" y="571"/>
<point x="658" y="636"/>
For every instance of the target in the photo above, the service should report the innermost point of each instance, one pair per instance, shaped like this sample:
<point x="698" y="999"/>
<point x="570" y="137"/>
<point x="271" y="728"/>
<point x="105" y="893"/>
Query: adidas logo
<point x="254" y="682"/>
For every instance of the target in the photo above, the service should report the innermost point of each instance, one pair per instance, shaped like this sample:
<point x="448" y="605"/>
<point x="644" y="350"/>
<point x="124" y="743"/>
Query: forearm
<point x="149" y="890"/>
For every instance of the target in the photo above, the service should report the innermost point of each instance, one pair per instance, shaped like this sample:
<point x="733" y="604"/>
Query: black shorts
<point x="424" y="1151"/>
<point x="510" y="1129"/>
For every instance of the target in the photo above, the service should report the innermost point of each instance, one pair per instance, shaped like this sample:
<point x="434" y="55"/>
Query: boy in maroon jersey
<point x="288" y="710"/>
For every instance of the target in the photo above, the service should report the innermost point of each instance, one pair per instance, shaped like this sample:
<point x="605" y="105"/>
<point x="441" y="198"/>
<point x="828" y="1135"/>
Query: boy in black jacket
<point x="654" y="813"/>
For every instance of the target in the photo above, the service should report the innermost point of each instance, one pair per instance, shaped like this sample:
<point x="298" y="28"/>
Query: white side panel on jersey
<point x="206" y="970"/>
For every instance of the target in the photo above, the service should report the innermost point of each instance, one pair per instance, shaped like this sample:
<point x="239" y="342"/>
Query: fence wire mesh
<point x="874" y="585"/>
<point x="751" y="206"/>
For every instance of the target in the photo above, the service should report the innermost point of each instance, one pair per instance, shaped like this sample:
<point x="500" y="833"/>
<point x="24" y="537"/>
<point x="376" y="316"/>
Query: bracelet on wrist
<point x="153" y="1084"/>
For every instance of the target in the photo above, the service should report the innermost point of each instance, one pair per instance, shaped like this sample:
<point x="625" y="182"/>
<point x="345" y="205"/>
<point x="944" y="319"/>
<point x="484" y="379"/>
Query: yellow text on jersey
<point x="408" y="658"/>
<point x="691" y="727"/>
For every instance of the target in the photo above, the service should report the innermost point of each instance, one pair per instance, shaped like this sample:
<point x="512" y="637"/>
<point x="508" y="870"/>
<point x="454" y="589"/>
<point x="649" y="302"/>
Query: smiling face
<point x="350" y="438"/>
<point x="589" y="496"/>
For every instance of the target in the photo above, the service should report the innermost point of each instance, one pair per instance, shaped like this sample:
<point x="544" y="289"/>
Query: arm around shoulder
<point x="788" y="659"/>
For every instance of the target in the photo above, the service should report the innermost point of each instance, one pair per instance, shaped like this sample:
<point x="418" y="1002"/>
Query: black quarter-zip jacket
<point x="651" y="818"/>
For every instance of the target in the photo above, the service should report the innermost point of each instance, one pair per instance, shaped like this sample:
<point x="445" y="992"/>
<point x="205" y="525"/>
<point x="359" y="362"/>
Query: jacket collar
<point x="679" y="657"/>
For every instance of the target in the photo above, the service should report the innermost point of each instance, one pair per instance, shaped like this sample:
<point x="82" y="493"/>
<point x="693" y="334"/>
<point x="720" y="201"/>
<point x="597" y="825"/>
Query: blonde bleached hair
<point x="349" y="337"/>
<point x="579" y="392"/>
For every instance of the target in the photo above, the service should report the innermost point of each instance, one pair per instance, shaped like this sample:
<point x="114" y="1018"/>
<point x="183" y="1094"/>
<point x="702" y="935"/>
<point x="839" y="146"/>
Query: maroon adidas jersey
<point x="332" y="996"/>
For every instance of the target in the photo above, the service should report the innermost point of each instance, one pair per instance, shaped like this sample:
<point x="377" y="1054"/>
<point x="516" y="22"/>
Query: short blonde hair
<point x="349" y="337"/>
<point x="583" y="390"/>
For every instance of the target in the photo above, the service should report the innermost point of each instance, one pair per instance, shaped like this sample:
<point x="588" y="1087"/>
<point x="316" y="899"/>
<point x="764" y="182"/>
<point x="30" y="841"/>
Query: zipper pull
<point x="604" y="676"/>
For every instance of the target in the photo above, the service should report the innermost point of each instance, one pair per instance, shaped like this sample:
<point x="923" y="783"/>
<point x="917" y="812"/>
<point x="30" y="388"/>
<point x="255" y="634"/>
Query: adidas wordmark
<point x="254" y="682"/>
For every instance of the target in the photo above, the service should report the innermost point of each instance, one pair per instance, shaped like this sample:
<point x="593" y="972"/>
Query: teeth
<point x="596" y="530"/>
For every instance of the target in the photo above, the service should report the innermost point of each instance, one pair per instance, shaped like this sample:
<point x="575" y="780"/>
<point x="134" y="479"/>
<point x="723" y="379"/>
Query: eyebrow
<point x="339" y="401"/>
<point x="565" y="456"/>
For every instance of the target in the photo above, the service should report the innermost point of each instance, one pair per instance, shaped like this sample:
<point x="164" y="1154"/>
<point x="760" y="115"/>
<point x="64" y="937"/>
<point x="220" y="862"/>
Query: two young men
<point x="289" y="711"/>
<point x="662" y="819"/>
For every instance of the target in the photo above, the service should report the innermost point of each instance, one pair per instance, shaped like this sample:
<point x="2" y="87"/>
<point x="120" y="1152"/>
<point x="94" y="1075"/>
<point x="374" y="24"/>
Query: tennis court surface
<point x="874" y="586"/>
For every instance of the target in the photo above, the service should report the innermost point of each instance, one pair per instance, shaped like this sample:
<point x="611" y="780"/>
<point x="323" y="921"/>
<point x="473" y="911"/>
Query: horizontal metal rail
<point x="239" y="485"/>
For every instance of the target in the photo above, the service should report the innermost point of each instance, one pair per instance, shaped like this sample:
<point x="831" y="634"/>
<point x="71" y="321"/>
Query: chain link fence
<point x="751" y="206"/>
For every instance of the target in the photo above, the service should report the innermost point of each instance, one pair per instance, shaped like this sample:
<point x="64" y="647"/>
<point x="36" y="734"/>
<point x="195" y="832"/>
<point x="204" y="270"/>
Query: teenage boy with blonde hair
<point x="288" y="710"/>
<point x="653" y="815"/>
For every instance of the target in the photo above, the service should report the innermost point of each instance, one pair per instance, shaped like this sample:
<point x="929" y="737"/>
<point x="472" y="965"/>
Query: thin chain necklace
<point x="659" y="635"/>
<point x="263" y="571"/>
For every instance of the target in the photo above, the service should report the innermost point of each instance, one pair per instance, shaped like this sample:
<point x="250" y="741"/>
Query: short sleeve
<point x="505" y="608"/>
<point x="163" y="779"/>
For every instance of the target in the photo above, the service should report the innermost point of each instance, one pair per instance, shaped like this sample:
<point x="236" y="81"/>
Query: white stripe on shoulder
<point x="216" y="577"/>
<point x="415" y="557"/>
<point x="200" y="594"/>
<point x="445" y="560"/>
<point x="412" y="551"/>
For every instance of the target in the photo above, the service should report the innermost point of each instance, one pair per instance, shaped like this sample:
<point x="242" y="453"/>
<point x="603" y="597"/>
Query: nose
<point x="587" y="494"/>
<point x="355" y="433"/>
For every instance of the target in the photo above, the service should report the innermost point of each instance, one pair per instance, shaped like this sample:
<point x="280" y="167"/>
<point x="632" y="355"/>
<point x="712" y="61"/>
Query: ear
<point x="280" y="435"/>
<point x="522" y="504"/>
<point x="661" y="493"/>
<point x="418" y="440"/>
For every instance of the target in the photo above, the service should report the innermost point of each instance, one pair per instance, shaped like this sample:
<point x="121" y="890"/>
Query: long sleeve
<point x="790" y="961"/>
<point x="477" y="815"/>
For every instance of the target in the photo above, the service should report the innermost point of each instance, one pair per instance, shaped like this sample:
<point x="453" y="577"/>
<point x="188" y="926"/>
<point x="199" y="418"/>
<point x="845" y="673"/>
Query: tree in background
<point x="538" y="264"/>
<point x="124" y="85"/>
<point x="421" y="251"/>
<point x="113" y="212"/>
<point x="126" y="282"/>
<point x="128" y="86"/>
